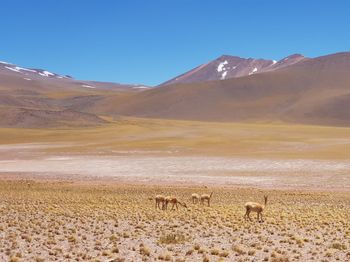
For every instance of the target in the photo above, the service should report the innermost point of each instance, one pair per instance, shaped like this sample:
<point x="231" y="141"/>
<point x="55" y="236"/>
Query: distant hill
<point x="39" y="98"/>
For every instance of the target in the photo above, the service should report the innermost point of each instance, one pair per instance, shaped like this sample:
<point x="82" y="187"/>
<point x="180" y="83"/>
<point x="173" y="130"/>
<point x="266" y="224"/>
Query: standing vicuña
<point x="206" y="197"/>
<point x="195" y="198"/>
<point x="255" y="207"/>
<point x="160" y="202"/>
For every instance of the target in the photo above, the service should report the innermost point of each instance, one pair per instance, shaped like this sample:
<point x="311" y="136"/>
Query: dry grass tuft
<point x="172" y="238"/>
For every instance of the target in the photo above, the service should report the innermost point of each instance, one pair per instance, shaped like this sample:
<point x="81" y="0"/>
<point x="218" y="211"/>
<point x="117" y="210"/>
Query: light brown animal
<point x="174" y="201"/>
<point x="160" y="202"/>
<point x="206" y="197"/>
<point x="195" y="198"/>
<point x="255" y="207"/>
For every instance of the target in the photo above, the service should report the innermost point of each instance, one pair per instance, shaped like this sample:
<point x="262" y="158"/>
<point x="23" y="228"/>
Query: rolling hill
<point x="39" y="98"/>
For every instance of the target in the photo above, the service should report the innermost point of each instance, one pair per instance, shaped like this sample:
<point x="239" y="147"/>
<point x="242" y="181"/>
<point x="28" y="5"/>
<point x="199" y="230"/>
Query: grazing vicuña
<point x="255" y="207"/>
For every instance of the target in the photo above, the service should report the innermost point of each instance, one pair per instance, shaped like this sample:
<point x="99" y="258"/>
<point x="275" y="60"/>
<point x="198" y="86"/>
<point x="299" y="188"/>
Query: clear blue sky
<point x="150" y="41"/>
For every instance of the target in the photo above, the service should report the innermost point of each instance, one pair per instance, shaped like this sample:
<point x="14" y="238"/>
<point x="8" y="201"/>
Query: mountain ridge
<point x="228" y="66"/>
<point x="36" y="74"/>
<point x="312" y="91"/>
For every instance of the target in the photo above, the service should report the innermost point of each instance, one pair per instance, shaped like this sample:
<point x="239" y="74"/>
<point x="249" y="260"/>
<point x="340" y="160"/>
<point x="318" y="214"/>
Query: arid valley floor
<point x="87" y="194"/>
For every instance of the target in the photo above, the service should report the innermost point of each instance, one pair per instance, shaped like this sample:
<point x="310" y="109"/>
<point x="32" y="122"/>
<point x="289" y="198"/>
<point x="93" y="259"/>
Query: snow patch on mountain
<point x="141" y="87"/>
<point x="87" y="86"/>
<point x="223" y="75"/>
<point x="253" y="71"/>
<point x="46" y="73"/>
<point x="25" y="69"/>
<point x="221" y="66"/>
<point x="12" y="69"/>
<point x="19" y="69"/>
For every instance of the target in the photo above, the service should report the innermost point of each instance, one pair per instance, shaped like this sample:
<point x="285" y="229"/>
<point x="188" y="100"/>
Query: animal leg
<point x="250" y="219"/>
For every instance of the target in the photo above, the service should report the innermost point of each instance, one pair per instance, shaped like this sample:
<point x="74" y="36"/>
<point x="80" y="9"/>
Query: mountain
<point x="312" y="91"/>
<point x="294" y="90"/>
<point x="10" y="72"/>
<point x="226" y="67"/>
<point x="39" y="98"/>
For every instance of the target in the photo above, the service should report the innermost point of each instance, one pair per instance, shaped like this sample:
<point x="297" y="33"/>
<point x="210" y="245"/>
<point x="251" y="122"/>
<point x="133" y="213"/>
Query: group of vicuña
<point x="162" y="203"/>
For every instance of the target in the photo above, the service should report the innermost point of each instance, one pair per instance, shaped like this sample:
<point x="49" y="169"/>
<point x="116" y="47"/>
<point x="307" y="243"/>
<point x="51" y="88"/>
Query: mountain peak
<point x="294" y="56"/>
<point x="228" y="66"/>
<point x="228" y="57"/>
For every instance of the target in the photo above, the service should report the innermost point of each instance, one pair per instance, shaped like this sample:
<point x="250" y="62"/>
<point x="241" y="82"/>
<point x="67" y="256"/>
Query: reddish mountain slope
<point x="313" y="91"/>
<point x="226" y="67"/>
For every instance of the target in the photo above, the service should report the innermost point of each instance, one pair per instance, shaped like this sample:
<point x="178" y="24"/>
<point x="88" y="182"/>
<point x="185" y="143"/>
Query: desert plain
<point x="88" y="194"/>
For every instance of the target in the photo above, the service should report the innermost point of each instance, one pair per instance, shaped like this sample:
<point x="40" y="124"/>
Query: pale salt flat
<point x="29" y="147"/>
<point x="187" y="170"/>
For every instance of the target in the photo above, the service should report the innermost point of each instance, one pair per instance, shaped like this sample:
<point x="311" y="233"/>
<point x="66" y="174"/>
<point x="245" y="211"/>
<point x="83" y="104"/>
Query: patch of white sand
<point x="196" y="170"/>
